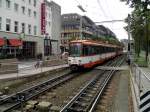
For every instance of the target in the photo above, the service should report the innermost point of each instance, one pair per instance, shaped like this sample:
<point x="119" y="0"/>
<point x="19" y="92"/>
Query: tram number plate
<point x="74" y="61"/>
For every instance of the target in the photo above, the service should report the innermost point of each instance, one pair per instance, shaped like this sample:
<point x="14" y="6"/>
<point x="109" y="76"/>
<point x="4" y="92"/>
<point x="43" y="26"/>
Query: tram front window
<point x="75" y="50"/>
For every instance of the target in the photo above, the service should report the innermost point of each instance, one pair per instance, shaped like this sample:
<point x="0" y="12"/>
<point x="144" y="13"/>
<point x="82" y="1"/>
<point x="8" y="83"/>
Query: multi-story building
<point x="20" y="28"/>
<point x="75" y="26"/>
<point x="24" y="24"/>
<point x="53" y="28"/>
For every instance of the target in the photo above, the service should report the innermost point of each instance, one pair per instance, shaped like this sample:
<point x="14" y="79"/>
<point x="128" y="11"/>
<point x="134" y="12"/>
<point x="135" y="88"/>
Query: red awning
<point x="15" y="42"/>
<point x="2" y="42"/>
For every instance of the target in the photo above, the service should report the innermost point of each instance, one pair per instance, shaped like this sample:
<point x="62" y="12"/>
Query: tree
<point x="140" y="24"/>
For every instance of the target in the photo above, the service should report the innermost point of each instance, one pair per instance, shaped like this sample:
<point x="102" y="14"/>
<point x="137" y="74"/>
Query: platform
<point x="30" y="72"/>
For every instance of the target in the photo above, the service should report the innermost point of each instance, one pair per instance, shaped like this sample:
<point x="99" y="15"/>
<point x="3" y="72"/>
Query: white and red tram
<point x="87" y="53"/>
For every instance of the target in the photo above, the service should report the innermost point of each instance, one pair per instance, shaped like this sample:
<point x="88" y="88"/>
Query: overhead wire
<point x="108" y="9"/>
<point x="99" y="3"/>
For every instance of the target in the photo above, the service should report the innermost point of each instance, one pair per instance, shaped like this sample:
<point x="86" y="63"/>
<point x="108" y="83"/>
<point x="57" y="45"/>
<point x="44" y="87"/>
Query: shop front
<point x="10" y="48"/>
<point x="29" y="49"/>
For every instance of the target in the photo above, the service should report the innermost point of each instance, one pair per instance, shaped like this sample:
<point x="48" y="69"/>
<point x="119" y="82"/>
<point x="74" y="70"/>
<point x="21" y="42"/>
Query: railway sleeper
<point x="74" y="110"/>
<point x="84" y="99"/>
<point x="80" y="103"/>
<point x="91" y="91"/>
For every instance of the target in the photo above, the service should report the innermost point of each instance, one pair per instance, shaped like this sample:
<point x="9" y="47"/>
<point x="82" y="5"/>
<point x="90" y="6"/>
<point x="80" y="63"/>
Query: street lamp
<point x="83" y="10"/>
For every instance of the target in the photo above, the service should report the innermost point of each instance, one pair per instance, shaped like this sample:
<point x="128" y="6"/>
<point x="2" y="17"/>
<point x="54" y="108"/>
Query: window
<point x="47" y="47"/>
<point x="29" y="12"/>
<point x="0" y="3"/>
<point x="34" y="14"/>
<point x="49" y="15"/>
<point x="29" y="29"/>
<point x="8" y="22"/>
<point x="34" y="3"/>
<point x="23" y="9"/>
<point x="75" y="49"/>
<point x="35" y="30"/>
<point x="7" y="3"/>
<point x="16" y="7"/>
<point x="49" y="24"/>
<point x="16" y="26"/>
<point x="29" y="1"/>
<point x="0" y="23"/>
<point x="23" y="27"/>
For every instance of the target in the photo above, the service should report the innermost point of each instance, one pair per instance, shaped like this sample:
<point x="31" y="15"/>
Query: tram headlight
<point x="69" y="61"/>
<point x="80" y="62"/>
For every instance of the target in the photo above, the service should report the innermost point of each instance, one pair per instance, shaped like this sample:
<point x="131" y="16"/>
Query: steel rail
<point x="102" y="90"/>
<point x="76" y="98"/>
<point x="12" y="102"/>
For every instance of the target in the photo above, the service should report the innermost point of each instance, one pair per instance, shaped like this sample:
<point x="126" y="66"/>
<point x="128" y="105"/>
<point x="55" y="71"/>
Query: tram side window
<point x="0" y="51"/>
<point x="102" y="50"/>
<point x="96" y="50"/>
<point x="85" y="50"/>
<point x="91" y="50"/>
<point x="105" y="50"/>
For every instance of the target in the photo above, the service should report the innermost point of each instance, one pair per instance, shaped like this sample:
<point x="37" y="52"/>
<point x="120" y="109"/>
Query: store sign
<point x="43" y="21"/>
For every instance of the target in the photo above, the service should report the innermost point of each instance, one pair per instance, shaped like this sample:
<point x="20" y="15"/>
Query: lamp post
<point x="83" y="10"/>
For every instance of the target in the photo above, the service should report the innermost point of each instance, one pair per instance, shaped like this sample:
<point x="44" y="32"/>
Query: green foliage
<point x="140" y="61"/>
<point x="140" y="27"/>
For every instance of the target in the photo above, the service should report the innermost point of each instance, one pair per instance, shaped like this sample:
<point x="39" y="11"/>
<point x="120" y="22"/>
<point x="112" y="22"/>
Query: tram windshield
<point x="75" y="49"/>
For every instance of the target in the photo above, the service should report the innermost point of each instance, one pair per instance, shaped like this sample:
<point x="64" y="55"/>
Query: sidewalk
<point x="145" y="80"/>
<point x="30" y="72"/>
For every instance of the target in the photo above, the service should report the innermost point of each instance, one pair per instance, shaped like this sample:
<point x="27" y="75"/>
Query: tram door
<point x="29" y="49"/>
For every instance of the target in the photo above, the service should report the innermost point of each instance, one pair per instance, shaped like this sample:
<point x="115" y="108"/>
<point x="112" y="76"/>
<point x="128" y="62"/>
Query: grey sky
<point x="100" y="10"/>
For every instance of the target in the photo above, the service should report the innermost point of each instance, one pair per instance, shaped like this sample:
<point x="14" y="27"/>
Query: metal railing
<point x="141" y="78"/>
<point x="25" y="69"/>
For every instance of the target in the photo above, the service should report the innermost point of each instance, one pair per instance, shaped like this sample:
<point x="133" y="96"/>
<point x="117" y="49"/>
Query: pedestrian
<point x="37" y="65"/>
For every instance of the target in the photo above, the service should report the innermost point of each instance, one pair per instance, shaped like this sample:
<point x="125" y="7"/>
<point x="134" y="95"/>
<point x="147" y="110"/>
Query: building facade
<point x="75" y="26"/>
<point x="53" y="28"/>
<point x="24" y="25"/>
<point x="20" y="24"/>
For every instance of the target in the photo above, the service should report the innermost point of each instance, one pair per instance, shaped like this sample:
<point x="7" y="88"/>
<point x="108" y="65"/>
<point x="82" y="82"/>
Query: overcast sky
<point x="100" y="10"/>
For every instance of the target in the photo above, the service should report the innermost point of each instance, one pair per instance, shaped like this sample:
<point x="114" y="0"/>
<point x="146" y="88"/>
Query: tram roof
<point x="91" y="42"/>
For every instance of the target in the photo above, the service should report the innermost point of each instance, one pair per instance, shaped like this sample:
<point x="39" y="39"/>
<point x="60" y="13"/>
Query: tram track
<point x="14" y="101"/>
<point x="85" y="99"/>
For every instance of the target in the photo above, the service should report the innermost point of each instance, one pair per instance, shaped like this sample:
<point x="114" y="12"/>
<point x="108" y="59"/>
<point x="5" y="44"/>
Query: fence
<point x="141" y="78"/>
<point x="29" y="68"/>
<point x="141" y="81"/>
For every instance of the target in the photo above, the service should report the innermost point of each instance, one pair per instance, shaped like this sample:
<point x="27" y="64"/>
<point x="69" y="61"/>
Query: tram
<point x="88" y="53"/>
